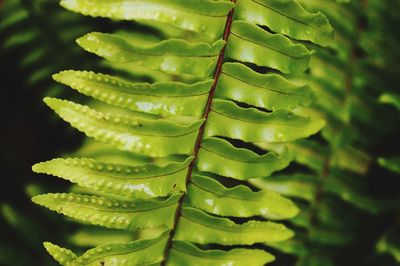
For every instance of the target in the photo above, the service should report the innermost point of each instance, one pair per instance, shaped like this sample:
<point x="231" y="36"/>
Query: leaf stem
<point x="199" y="138"/>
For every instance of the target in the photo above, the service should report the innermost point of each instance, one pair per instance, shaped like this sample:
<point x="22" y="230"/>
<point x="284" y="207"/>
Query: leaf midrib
<point x="253" y="122"/>
<point x="289" y="17"/>
<point x="87" y="172"/>
<point x="111" y="210"/>
<point x="197" y="146"/>
<point x="208" y="258"/>
<point x="236" y="159"/>
<point x="259" y="86"/>
<point x="220" y="194"/>
<point x="228" y="228"/>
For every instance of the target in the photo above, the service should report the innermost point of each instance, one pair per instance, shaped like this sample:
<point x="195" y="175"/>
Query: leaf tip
<point x="44" y="200"/>
<point x="48" y="245"/>
<point x="57" y="77"/>
<point x="38" y="168"/>
<point x="89" y="41"/>
<point x="62" y="255"/>
<point x="53" y="103"/>
<point x="81" y="40"/>
<point x="85" y="40"/>
<point x="321" y="123"/>
<point x="294" y="210"/>
<point x="48" y="100"/>
<point x="37" y="199"/>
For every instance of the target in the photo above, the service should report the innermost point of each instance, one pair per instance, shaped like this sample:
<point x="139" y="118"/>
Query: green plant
<point x="383" y="74"/>
<point x="29" y="40"/>
<point x="344" y="199"/>
<point x="197" y="143"/>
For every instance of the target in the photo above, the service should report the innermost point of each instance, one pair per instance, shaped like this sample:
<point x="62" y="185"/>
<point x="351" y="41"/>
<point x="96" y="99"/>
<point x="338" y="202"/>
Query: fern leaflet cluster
<point x="197" y="132"/>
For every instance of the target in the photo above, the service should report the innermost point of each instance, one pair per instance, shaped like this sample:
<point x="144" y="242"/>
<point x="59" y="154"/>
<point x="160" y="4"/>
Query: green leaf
<point x="172" y="56"/>
<point x="184" y="253"/>
<point x="345" y="29"/>
<point x="220" y="157"/>
<point x="388" y="244"/>
<point x="107" y="153"/>
<point x="392" y="164"/>
<point x="136" y="253"/>
<point x="310" y="154"/>
<point x="127" y="215"/>
<point x="61" y="255"/>
<point x="159" y="137"/>
<point x="141" y="181"/>
<point x="249" y="43"/>
<point x="294" y="246"/>
<point x="205" y="17"/>
<point x="329" y="97"/>
<point x="287" y="17"/>
<point x="330" y="68"/>
<point x="270" y="91"/>
<point x="166" y="99"/>
<point x="211" y="196"/>
<point x="391" y="98"/>
<point x="199" y="227"/>
<point x="251" y="125"/>
<point x="92" y="236"/>
<point x="350" y="159"/>
<point x="299" y="185"/>
<point x="350" y="191"/>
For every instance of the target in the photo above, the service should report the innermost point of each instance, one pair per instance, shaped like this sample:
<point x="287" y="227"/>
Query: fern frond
<point x="28" y="39"/>
<point x="196" y="141"/>
<point x="338" y="179"/>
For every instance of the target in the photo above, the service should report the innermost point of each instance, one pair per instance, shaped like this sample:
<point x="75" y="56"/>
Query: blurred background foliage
<point x="346" y="179"/>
